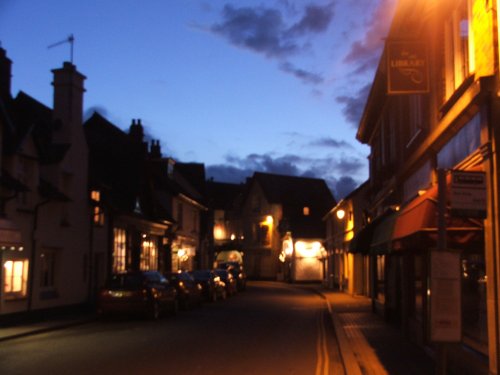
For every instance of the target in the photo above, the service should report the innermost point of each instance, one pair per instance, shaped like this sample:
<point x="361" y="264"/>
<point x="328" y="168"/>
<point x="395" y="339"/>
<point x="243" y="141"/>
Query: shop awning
<point x="362" y="240"/>
<point x="383" y="233"/>
<point x="419" y="215"/>
<point x="419" y="221"/>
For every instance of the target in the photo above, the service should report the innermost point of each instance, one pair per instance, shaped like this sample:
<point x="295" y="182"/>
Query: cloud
<point x="316" y="19"/>
<point x="344" y="185"/>
<point x="364" y="54"/>
<point x="259" y="29"/>
<point x="331" y="143"/>
<point x="228" y="173"/>
<point x="277" y="33"/>
<point x="338" y="173"/>
<point x="355" y="105"/>
<point x="301" y="74"/>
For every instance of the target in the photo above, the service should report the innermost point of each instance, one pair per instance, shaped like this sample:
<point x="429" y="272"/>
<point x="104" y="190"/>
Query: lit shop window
<point x="119" y="250"/>
<point x="149" y="254"/>
<point x="15" y="278"/>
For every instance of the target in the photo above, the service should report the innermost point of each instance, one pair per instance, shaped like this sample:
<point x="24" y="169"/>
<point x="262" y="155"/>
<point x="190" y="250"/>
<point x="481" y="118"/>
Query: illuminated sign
<point x="407" y="68"/>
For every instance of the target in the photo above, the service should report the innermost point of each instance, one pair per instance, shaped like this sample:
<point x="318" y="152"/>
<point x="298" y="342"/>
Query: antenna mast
<point x="70" y="39"/>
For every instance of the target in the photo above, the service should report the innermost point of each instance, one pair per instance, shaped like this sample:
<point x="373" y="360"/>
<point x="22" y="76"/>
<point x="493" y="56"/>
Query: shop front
<point x="14" y="271"/>
<point x="137" y="245"/>
<point x="303" y="259"/>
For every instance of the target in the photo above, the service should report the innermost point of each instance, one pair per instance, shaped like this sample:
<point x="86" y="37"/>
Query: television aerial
<point x="70" y="39"/>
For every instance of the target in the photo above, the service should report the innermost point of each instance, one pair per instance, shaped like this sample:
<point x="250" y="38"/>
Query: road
<point x="272" y="328"/>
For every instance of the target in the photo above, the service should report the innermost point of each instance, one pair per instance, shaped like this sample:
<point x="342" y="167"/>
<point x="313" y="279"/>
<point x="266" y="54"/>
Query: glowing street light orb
<point x="340" y="214"/>
<point x="269" y="220"/>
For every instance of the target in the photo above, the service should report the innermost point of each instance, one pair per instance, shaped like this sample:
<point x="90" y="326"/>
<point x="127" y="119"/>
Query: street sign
<point x="445" y="297"/>
<point x="407" y="67"/>
<point x="468" y="194"/>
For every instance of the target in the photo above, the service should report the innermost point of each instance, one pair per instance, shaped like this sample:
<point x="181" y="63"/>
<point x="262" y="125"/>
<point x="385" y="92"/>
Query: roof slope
<point x="294" y="194"/>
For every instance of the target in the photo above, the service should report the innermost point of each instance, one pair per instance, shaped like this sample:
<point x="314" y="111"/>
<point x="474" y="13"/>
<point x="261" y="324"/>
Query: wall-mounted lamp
<point x="340" y="214"/>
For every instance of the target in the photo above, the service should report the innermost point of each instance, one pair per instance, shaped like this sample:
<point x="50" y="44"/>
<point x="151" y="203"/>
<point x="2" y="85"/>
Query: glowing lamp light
<point x="340" y="214"/>
<point x="308" y="249"/>
<point x="218" y="232"/>
<point x="181" y="253"/>
<point x="269" y="219"/>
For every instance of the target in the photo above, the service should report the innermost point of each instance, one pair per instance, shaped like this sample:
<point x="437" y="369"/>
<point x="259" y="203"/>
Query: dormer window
<point x="306" y="211"/>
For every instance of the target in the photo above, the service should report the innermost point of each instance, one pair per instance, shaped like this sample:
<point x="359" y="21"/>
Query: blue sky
<point x="275" y="86"/>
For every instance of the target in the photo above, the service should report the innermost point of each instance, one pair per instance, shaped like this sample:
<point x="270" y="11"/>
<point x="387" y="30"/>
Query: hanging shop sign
<point x="445" y="297"/>
<point x="468" y="194"/>
<point x="407" y="68"/>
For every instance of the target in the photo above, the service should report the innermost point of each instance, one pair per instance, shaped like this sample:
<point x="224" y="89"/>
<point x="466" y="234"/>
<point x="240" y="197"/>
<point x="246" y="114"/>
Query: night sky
<point x="275" y="86"/>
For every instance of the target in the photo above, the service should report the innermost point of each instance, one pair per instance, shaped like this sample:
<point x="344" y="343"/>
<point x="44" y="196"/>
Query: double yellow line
<point x="322" y="355"/>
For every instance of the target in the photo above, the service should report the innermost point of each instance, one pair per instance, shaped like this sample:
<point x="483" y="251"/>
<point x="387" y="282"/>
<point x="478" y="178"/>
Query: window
<point x="195" y="221"/>
<point x="67" y="189"/>
<point x="149" y="254"/>
<point x="180" y="214"/>
<point x="25" y="172"/>
<point x="119" y="250"/>
<point x="15" y="278"/>
<point x="415" y="118"/>
<point x="419" y="286"/>
<point x="380" y="286"/>
<point x="474" y="314"/>
<point x="457" y="61"/>
<point x="47" y="268"/>
<point x="98" y="216"/>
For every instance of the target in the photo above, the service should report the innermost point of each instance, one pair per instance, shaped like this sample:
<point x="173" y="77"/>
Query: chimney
<point x="155" y="151"/>
<point x="136" y="131"/>
<point x="5" y="75"/>
<point x="68" y="99"/>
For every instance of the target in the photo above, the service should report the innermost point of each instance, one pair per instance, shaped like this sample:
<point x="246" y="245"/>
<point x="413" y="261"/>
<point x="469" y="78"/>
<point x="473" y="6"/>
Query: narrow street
<point x="271" y="328"/>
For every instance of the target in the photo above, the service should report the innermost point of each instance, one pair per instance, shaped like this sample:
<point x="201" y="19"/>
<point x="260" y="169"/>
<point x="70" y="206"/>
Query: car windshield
<point x="126" y="281"/>
<point x="201" y="275"/>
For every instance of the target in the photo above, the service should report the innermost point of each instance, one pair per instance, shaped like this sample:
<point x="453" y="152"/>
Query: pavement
<point x="23" y="329"/>
<point x="368" y="345"/>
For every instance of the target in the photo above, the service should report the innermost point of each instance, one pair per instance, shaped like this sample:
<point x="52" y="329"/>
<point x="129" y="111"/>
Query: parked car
<point x="213" y="288"/>
<point x="228" y="279"/>
<point x="188" y="290"/>
<point x="236" y="269"/>
<point x="143" y="292"/>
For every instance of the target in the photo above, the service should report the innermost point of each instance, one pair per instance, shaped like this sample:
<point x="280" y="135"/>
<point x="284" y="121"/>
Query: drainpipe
<point x="90" y="265"/>
<point x="33" y="253"/>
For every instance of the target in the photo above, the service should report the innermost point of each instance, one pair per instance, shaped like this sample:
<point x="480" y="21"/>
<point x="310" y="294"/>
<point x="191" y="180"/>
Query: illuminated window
<point x="47" y="268"/>
<point x="98" y="217"/>
<point x="15" y="278"/>
<point x="149" y="254"/>
<point x="306" y="211"/>
<point x="457" y="61"/>
<point x="119" y="250"/>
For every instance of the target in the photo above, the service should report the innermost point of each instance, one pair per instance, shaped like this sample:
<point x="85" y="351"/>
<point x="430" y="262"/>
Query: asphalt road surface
<point x="272" y="328"/>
